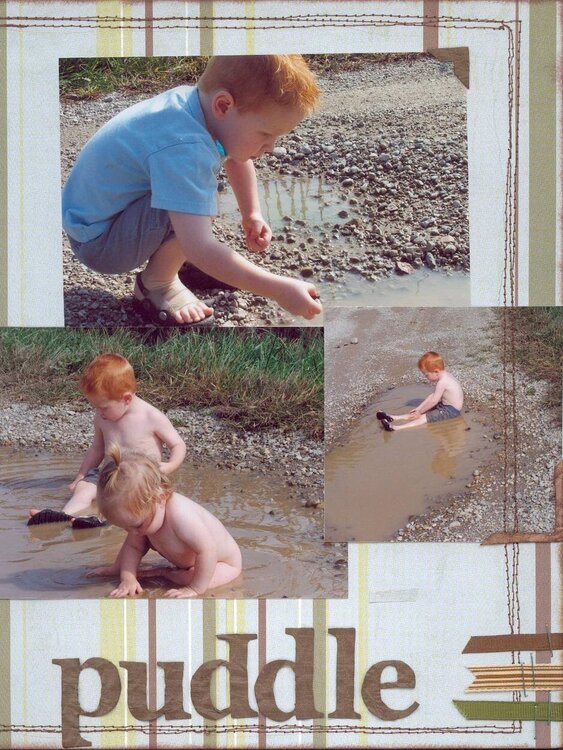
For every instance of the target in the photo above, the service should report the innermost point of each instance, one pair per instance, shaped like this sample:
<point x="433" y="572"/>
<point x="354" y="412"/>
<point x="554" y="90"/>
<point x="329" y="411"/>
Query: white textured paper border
<point x="34" y="231"/>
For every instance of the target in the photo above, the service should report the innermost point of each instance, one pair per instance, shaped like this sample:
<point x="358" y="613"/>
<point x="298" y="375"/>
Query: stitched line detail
<point x="510" y="432"/>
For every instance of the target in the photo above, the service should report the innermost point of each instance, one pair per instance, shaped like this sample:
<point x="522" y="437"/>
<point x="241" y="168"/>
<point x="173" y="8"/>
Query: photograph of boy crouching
<point x="144" y="187"/>
<point x="134" y="494"/>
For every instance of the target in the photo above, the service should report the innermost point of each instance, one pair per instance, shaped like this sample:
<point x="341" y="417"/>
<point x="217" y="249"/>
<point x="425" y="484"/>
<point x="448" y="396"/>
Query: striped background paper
<point x="454" y="591"/>
<point x="415" y="603"/>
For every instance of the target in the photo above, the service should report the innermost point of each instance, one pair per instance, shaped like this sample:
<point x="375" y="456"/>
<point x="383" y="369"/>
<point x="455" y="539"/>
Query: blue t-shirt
<point x="161" y="146"/>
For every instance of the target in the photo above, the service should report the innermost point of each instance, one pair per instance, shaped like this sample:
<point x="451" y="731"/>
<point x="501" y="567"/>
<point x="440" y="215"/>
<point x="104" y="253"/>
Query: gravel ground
<point x="68" y="427"/>
<point x="389" y="140"/>
<point x="361" y="363"/>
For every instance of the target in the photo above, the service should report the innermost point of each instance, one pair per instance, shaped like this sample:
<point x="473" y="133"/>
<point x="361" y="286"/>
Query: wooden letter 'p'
<point x="71" y="710"/>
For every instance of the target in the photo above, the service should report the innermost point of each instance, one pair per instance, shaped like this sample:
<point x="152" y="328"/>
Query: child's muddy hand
<point x="299" y="298"/>
<point x="108" y="570"/>
<point x="258" y="234"/>
<point x="184" y="593"/>
<point x="127" y="588"/>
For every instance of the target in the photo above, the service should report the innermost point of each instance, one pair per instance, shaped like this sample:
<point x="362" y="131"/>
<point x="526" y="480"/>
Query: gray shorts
<point x="442" y="411"/>
<point x="133" y="236"/>
<point x="91" y="476"/>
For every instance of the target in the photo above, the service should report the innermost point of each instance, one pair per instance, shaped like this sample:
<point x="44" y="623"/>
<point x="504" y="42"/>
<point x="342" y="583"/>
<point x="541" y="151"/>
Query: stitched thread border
<point x="511" y="552"/>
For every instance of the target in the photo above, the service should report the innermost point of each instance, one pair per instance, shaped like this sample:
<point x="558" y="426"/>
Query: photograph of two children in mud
<point x="161" y="444"/>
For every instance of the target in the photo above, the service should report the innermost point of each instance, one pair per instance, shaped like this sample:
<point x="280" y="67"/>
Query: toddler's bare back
<point x="453" y="393"/>
<point x="188" y="530"/>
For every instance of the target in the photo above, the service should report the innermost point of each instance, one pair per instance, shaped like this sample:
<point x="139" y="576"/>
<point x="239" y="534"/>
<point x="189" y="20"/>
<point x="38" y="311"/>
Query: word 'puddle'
<point x="281" y="545"/>
<point x="377" y="479"/>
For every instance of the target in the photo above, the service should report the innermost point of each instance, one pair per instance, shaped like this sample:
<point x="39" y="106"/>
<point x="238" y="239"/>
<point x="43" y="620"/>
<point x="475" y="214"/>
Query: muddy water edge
<point x="394" y="476"/>
<point x="281" y="540"/>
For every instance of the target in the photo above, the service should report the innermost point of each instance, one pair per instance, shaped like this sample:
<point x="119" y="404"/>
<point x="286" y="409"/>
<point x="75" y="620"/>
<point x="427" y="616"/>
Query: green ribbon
<point x="510" y="711"/>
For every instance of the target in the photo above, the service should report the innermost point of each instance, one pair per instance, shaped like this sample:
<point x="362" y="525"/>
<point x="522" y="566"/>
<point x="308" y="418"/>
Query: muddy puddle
<point x="422" y="288"/>
<point x="281" y="543"/>
<point x="308" y="200"/>
<point x="314" y="206"/>
<point x="377" y="479"/>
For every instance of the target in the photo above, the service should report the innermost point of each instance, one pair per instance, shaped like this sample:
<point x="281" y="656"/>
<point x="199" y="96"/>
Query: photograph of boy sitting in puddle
<point x="420" y="407"/>
<point x="445" y="403"/>
<point x="120" y="417"/>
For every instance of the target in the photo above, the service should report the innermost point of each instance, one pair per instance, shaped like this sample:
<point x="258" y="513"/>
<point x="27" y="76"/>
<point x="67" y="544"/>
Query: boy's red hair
<point x="255" y="80"/>
<point x="108" y="375"/>
<point x="431" y="362"/>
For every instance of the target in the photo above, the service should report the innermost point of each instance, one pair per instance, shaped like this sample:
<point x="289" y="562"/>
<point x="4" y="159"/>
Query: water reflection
<point x="377" y="479"/>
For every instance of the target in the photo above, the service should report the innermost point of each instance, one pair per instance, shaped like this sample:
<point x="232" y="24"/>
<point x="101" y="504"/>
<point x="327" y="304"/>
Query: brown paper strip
<point x="490" y="644"/>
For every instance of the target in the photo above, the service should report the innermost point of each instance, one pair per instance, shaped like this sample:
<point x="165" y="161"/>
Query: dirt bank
<point x="388" y="143"/>
<point x="370" y="351"/>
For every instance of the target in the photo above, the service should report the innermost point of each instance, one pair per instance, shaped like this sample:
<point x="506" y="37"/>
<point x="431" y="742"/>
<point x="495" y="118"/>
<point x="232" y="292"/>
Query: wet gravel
<point x="362" y="364"/>
<point x="389" y="141"/>
<point x="294" y="458"/>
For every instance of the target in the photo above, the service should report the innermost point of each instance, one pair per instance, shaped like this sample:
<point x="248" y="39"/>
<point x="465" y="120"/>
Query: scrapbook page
<point x="280" y="357"/>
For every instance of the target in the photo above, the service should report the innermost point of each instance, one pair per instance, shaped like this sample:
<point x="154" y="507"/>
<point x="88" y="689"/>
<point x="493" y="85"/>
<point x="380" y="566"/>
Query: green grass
<point x="87" y="78"/>
<point x="254" y="378"/>
<point x="538" y="338"/>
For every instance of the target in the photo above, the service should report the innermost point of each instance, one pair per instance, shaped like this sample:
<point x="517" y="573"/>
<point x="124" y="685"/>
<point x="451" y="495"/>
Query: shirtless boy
<point x="445" y="403"/>
<point x="134" y="494"/>
<point x="120" y="417"/>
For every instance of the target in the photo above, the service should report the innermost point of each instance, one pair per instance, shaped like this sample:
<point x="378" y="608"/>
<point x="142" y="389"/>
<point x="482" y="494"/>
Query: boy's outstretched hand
<point x="258" y="234"/>
<point x="298" y="297"/>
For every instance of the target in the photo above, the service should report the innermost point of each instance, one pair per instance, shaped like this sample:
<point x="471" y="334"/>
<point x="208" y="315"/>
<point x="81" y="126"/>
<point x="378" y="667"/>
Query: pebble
<point x="403" y="268"/>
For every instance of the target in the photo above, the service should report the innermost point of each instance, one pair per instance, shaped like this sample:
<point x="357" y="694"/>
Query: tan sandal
<point x="159" y="306"/>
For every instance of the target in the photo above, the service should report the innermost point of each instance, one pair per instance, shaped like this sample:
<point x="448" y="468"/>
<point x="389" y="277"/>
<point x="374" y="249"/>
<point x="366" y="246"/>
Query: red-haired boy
<point x="122" y="418"/>
<point x="445" y="403"/>
<point x="144" y="187"/>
